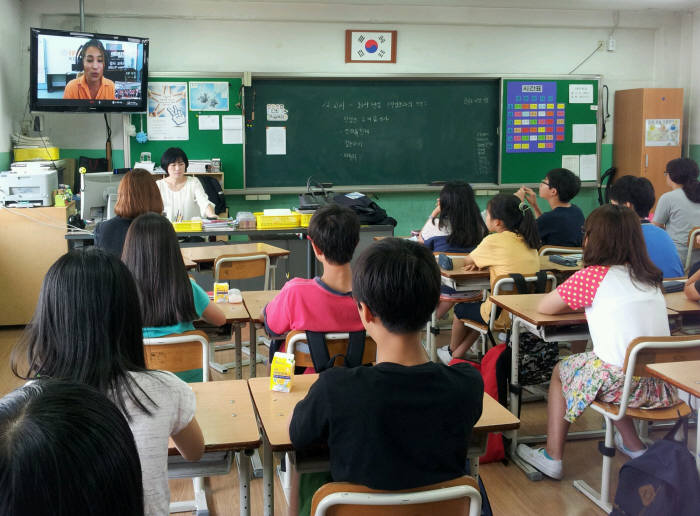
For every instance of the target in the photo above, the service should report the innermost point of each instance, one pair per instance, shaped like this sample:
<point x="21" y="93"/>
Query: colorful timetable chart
<point x="534" y="120"/>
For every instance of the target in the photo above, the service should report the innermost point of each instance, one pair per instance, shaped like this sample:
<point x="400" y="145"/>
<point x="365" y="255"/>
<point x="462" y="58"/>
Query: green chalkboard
<point x="204" y="144"/>
<point x="548" y="113"/>
<point x="372" y="131"/>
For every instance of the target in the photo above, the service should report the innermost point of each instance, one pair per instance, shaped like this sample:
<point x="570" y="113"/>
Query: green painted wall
<point x="5" y="160"/>
<point x="694" y="152"/>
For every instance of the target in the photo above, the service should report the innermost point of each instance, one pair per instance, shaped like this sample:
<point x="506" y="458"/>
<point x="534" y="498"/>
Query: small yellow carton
<point x="282" y="372"/>
<point x="221" y="292"/>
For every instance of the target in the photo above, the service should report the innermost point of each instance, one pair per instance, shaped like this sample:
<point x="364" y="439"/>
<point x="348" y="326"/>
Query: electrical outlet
<point x="264" y="197"/>
<point x="38" y="123"/>
<point x="251" y="197"/>
<point x="611" y="44"/>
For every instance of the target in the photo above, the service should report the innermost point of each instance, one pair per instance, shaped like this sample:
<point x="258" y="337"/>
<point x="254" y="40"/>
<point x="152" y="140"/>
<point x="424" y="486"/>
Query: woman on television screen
<point x="91" y="84"/>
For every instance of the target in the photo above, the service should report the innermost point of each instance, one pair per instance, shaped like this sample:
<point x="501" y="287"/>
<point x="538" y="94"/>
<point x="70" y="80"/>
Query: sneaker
<point x="620" y="445"/>
<point x="444" y="355"/>
<point x="536" y="457"/>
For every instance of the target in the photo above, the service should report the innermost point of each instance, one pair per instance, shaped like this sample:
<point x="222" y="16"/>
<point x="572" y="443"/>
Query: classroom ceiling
<point x="635" y="5"/>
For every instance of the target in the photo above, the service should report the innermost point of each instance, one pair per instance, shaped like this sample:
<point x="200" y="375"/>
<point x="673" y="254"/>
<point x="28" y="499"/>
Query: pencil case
<point x="563" y="260"/>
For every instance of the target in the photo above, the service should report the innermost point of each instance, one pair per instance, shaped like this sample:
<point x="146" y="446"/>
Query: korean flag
<point x="371" y="46"/>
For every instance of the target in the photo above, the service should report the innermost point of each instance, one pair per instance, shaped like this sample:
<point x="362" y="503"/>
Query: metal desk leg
<point x="514" y="404"/>
<point x="253" y="345"/>
<point x="268" y="480"/>
<point x="244" y="481"/>
<point x="239" y="352"/>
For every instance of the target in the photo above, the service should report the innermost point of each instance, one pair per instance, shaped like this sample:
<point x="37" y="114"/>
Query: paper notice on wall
<point x="208" y="122"/>
<point x="277" y="113"/>
<point x="588" y="166"/>
<point x="580" y="94"/>
<point x="232" y="128"/>
<point x="167" y="111"/>
<point x="571" y="162"/>
<point x="662" y="132"/>
<point x="276" y="140"/>
<point x="583" y="133"/>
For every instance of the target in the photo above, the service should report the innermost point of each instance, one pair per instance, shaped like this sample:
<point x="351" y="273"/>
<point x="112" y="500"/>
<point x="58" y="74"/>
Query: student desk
<point x="238" y="314"/>
<point x="467" y="283"/>
<point x="227" y="419"/>
<point x="274" y="410"/>
<point x="209" y="254"/>
<point x="685" y="376"/>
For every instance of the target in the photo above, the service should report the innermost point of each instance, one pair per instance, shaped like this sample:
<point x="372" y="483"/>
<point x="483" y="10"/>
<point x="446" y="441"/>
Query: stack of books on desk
<point x="216" y="225"/>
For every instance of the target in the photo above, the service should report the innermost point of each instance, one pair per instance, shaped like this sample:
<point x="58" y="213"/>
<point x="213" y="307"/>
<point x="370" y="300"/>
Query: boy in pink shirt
<point x="325" y="303"/>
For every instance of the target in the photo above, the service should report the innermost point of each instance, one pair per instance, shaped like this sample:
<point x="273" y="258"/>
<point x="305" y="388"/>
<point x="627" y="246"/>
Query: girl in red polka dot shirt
<point x="620" y="290"/>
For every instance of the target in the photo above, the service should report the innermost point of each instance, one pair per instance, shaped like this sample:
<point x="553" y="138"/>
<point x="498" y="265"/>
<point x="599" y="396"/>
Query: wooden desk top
<point x="209" y="253"/>
<point x="684" y="375"/>
<point x="547" y="265"/>
<point x="525" y="307"/>
<point x="275" y="408"/>
<point x="255" y="301"/>
<point x="677" y="302"/>
<point x="458" y="274"/>
<point x="226" y="416"/>
<point x="234" y="312"/>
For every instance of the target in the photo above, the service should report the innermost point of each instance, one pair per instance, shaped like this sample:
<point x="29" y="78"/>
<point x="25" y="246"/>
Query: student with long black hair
<point x="87" y="329"/>
<point x="455" y="225"/>
<point x="66" y="449"/>
<point x="511" y="247"/>
<point x="170" y="301"/>
<point x="678" y="211"/>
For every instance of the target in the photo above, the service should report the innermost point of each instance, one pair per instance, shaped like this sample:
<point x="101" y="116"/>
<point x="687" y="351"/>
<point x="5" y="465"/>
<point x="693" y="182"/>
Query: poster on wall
<point x="167" y="111"/>
<point x="209" y="96"/>
<point x="662" y="132"/>
<point x="535" y="119"/>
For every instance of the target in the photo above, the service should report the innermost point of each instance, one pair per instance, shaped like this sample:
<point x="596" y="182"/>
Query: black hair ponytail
<point x="517" y="217"/>
<point x="684" y="171"/>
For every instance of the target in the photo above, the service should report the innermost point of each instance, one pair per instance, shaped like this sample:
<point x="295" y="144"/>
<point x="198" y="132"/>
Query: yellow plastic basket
<point x="304" y="219"/>
<point x="187" y="225"/>
<point x="276" y="221"/>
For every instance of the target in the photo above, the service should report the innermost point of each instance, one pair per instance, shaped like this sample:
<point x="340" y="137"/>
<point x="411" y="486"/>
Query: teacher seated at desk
<point x="183" y="197"/>
<point x="91" y="84"/>
<point x="137" y="194"/>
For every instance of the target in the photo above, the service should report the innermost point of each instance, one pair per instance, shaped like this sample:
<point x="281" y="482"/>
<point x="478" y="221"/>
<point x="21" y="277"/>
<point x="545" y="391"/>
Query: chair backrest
<point x="337" y="343"/>
<point x="658" y="350"/>
<point x="178" y="352"/>
<point x="559" y="249"/>
<point x="653" y="350"/>
<point x="236" y="267"/>
<point x="504" y="285"/>
<point x="459" y="496"/>
<point x="691" y="245"/>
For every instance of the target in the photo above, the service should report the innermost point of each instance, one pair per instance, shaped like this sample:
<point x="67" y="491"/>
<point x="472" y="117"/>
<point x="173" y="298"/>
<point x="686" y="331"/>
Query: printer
<point x="33" y="186"/>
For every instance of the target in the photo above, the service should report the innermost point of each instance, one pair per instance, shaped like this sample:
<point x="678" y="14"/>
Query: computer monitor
<point x="96" y="188"/>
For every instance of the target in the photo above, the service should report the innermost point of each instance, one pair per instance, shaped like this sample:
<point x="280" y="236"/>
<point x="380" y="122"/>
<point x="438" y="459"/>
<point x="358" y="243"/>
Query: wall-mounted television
<point x="81" y="71"/>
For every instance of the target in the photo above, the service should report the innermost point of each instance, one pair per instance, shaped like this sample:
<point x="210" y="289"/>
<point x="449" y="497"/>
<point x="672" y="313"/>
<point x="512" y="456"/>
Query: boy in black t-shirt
<point x="563" y="225"/>
<point x="405" y="422"/>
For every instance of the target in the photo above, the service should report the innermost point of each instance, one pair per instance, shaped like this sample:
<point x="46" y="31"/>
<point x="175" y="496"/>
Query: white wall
<point x="654" y="48"/>
<point x="10" y="70"/>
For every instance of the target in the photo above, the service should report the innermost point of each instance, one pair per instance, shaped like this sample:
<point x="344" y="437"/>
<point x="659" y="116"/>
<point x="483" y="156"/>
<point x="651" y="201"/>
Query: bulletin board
<point x="200" y="144"/>
<point x="549" y="123"/>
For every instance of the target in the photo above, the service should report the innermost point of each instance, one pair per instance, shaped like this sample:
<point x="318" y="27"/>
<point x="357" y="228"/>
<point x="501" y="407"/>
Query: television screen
<point x="78" y="71"/>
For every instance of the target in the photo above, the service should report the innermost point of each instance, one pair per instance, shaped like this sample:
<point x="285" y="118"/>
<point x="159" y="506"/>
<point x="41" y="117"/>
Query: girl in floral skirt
<point x="620" y="290"/>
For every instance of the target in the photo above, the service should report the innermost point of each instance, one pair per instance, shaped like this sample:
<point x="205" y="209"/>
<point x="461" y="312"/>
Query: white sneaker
<point x="620" y="445"/>
<point x="536" y="457"/>
<point x="443" y="354"/>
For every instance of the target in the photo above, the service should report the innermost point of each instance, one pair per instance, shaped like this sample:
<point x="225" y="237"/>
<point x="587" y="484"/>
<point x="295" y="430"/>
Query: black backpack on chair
<point x="321" y="357"/>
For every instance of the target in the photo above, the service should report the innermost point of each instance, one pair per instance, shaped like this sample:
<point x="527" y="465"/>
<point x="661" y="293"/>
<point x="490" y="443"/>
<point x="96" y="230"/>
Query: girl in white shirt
<point x="183" y="196"/>
<point x="95" y="339"/>
<point x="620" y="289"/>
